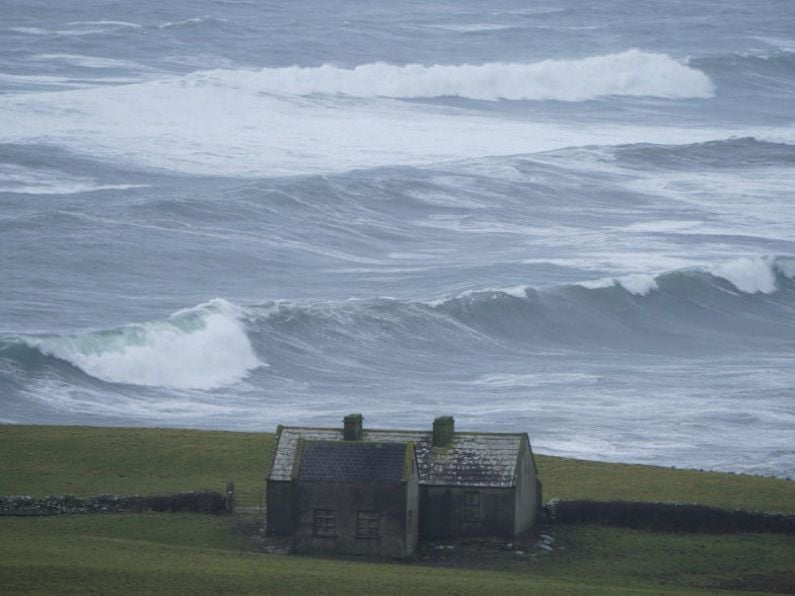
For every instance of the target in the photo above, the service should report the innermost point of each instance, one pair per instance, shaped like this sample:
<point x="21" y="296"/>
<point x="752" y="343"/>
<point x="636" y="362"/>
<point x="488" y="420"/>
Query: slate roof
<point x="351" y="461"/>
<point x="471" y="459"/>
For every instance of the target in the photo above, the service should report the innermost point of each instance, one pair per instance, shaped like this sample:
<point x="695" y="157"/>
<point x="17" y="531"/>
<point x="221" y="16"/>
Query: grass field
<point x="166" y="553"/>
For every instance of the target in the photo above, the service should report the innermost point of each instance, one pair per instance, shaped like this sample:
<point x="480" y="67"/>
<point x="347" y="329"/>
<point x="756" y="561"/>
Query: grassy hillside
<point x="45" y="460"/>
<point x="86" y="461"/>
<point x="578" y="479"/>
<point x="167" y="553"/>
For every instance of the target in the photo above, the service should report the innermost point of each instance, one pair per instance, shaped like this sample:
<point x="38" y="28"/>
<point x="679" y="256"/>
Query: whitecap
<point x="205" y="347"/>
<point x="748" y="275"/>
<point x="638" y="284"/>
<point x="633" y="73"/>
<point x="46" y="181"/>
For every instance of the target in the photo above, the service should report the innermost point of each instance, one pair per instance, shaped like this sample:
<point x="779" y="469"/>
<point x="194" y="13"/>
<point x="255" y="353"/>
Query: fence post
<point x="229" y="501"/>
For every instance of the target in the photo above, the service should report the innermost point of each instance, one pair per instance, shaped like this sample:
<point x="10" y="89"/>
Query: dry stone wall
<point x="198" y="502"/>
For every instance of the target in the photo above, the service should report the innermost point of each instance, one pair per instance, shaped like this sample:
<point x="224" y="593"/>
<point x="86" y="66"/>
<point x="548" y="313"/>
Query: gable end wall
<point x="528" y="491"/>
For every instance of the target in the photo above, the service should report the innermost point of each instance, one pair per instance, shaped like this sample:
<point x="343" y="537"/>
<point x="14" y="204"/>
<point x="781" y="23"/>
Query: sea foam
<point x="201" y="348"/>
<point x="749" y="275"/>
<point x="289" y="121"/>
<point x="638" y="284"/>
<point x="632" y="73"/>
<point x="46" y="181"/>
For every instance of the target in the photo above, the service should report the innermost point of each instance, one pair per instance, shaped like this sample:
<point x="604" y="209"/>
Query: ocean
<point x="574" y="219"/>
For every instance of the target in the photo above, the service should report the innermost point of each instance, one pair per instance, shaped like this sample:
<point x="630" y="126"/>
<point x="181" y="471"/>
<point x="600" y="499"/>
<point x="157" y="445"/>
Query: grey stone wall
<point x="280" y="515"/>
<point x="346" y="499"/>
<point x="528" y="491"/>
<point x="412" y="511"/>
<point x="200" y="502"/>
<point x="446" y="512"/>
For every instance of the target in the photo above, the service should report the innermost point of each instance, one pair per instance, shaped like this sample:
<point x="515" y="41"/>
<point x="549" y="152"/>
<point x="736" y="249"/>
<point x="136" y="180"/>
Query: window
<point x="472" y="505"/>
<point x="367" y="524"/>
<point x="325" y="522"/>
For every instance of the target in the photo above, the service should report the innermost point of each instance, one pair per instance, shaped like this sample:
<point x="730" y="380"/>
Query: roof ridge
<point x="410" y="430"/>
<point x="357" y="442"/>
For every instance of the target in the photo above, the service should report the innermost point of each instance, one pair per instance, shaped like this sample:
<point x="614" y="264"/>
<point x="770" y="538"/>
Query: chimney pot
<point x="443" y="429"/>
<point x="352" y="427"/>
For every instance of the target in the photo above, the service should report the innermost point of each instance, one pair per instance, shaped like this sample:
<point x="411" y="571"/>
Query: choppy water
<point x="573" y="219"/>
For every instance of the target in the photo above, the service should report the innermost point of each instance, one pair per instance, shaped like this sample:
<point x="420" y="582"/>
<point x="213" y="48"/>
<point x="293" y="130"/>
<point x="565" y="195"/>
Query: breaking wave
<point x="194" y="21"/>
<point x="632" y="73"/>
<point x="22" y="180"/>
<point x="721" y="307"/>
<point x="205" y="347"/>
<point x="738" y="305"/>
<point x="749" y="275"/>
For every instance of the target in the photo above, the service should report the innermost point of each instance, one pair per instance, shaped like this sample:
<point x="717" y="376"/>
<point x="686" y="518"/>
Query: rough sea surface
<point x="575" y="219"/>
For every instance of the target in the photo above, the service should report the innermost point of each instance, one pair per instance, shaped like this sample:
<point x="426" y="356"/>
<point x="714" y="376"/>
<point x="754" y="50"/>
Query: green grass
<point x="201" y="554"/>
<point x="182" y="554"/>
<point x="87" y="461"/>
<point x="578" y="479"/>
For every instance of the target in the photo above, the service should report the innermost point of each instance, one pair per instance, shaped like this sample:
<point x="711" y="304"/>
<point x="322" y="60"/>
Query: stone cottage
<point x="470" y="484"/>
<point x="356" y="497"/>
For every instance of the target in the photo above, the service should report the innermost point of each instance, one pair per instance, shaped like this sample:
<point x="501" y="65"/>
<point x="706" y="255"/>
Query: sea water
<point x="574" y="219"/>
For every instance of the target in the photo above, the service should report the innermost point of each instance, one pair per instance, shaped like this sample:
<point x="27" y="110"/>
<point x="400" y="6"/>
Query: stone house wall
<point x="528" y="491"/>
<point x="463" y="511"/>
<point x="385" y="505"/>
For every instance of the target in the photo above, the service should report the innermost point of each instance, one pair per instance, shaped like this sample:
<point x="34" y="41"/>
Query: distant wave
<point x="29" y="30"/>
<point x="724" y="306"/>
<point x="79" y="28"/>
<point x="194" y="21"/>
<point x="749" y="275"/>
<point x="743" y="304"/>
<point x="23" y="180"/>
<point x="719" y="154"/>
<point x="768" y="72"/>
<point x="472" y="27"/>
<point x="110" y="23"/>
<point x="631" y="73"/>
<point x="205" y="347"/>
<point x="84" y="61"/>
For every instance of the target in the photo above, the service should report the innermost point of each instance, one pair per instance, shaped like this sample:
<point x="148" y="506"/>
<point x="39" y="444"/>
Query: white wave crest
<point x="638" y="284"/>
<point x="471" y="27"/>
<point x="749" y="275"/>
<point x="185" y="123"/>
<point x="191" y="21"/>
<point x="80" y="28"/>
<point x="29" y="30"/>
<point x="87" y="61"/>
<point x="29" y="181"/>
<point x="508" y="380"/>
<point x="200" y="348"/>
<point x="631" y="73"/>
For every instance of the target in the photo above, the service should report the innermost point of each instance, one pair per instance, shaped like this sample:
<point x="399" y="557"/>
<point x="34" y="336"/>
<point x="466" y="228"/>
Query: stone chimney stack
<point x="443" y="429"/>
<point x="352" y="429"/>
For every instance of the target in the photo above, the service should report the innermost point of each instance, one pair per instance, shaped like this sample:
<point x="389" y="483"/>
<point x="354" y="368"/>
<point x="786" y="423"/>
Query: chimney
<point x="443" y="429"/>
<point x="352" y="429"/>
